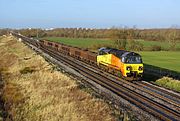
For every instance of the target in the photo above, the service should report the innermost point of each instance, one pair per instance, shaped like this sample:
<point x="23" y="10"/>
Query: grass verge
<point x="169" y="83"/>
<point x="34" y="91"/>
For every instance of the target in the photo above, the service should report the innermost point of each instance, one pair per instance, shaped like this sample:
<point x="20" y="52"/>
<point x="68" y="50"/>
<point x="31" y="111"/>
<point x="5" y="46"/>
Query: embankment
<point x="34" y="91"/>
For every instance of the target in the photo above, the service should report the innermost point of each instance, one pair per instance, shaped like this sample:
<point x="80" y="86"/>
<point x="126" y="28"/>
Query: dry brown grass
<point x="43" y="94"/>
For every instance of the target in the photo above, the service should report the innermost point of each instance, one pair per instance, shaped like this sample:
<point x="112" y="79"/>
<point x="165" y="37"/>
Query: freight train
<point x="122" y="63"/>
<point x="125" y="64"/>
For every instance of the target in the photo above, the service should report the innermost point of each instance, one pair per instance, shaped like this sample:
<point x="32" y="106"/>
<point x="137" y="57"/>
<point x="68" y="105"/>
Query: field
<point x="164" y="59"/>
<point x="164" y="45"/>
<point x="80" y="42"/>
<point x="90" y="42"/>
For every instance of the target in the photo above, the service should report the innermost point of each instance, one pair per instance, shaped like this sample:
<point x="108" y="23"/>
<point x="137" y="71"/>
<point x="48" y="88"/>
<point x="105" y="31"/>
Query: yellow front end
<point x="133" y="70"/>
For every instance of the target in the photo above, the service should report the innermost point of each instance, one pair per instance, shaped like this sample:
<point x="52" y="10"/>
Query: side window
<point x="123" y="59"/>
<point x="101" y="53"/>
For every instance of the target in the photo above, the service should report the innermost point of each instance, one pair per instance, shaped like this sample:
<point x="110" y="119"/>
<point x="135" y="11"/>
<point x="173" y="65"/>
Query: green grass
<point x="80" y="42"/>
<point x="164" y="45"/>
<point x="164" y="59"/>
<point x="90" y="42"/>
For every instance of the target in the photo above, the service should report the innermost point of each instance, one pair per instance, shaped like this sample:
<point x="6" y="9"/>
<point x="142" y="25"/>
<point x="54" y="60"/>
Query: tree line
<point x="121" y="36"/>
<point x="145" y="34"/>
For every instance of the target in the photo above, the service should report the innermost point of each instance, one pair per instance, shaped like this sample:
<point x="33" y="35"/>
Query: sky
<point x="89" y="13"/>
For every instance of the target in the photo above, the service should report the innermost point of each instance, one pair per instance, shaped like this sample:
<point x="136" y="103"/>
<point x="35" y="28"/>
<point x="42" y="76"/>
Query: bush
<point x="169" y="83"/>
<point x="97" y="46"/>
<point x="155" y="48"/>
<point x="177" y="49"/>
<point x="120" y="44"/>
<point x="2" y="69"/>
<point x="27" y="70"/>
<point x="135" y="45"/>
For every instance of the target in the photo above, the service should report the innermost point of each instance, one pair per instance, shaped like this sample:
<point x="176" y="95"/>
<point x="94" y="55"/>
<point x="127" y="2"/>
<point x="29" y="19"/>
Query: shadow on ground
<point x="153" y="73"/>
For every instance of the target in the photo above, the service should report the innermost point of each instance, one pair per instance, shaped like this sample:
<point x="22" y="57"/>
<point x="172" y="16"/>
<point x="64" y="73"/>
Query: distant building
<point x="49" y="29"/>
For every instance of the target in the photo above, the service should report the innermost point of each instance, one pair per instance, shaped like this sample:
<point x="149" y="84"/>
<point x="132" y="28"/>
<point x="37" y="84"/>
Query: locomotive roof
<point x="130" y="54"/>
<point x="118" y="53"/>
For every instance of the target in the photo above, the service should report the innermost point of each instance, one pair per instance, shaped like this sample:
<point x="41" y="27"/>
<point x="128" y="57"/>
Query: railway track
<point x="174" y="96"/>
<point x="155" y="108"/>
<point x="158" y="102"/>
<point x="169" y="92"/>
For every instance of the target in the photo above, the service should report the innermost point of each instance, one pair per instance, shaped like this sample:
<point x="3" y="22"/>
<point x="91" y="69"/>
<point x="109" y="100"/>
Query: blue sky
<point x="89" y="13"/>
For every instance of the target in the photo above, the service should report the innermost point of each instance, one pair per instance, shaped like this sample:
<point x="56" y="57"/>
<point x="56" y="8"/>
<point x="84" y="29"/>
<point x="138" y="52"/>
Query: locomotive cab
<point x="133" y="65"/>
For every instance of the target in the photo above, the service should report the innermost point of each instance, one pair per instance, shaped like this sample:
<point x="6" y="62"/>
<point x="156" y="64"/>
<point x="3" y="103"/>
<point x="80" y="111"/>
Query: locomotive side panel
<point x="104" y="59"/>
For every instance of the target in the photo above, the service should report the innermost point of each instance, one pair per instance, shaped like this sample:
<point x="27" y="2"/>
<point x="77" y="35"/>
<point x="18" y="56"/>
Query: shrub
<point x="156" y="48"/>
<point x="177" y="49"/>
<point x="27" y="70"/>
<point x="169" y="83"/>
<point x="3" y="69"/>
<point x="97" y="46"/>
<point x="135" y="45"/>
<point x="120" y="44"/>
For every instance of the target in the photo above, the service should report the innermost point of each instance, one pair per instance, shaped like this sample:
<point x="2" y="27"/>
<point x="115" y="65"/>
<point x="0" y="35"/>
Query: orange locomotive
<point x="128" y="64"/>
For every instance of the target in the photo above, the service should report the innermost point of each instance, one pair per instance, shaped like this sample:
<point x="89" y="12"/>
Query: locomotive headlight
<point x="128" y="68"/>
<point x="140" y="68"/>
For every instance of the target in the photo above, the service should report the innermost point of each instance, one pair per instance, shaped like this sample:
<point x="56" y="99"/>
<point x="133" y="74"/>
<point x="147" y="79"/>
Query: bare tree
<point x="172" y="38"/>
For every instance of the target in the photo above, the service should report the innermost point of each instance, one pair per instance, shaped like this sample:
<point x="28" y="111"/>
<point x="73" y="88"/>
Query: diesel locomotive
<point x="128" y="64"/>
